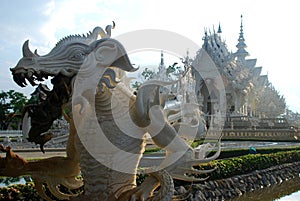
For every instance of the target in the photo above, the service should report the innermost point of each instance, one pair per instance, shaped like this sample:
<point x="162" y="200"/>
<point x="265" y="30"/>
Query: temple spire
<point x="241" y="52"/>
<point x="219" y="29"/>
<point x="162" y="70"/>
<point x="162" y="63"/>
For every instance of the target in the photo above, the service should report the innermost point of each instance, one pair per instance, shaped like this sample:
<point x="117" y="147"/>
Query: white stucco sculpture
<point x="108" y="123"/>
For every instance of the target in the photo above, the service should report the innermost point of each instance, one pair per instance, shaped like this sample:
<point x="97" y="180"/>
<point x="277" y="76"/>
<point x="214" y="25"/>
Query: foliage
<point x="28" y="192"/>
<point x="152" y="150"/>
<point x="245" y="164"/>
<point x="173" y="71"/>
<point x="147" y="74"/>
<point x="11" y="105"/>
<point x="20" y="192"/>
<point x="136" y="85"/>
<point x="231" y="153"/>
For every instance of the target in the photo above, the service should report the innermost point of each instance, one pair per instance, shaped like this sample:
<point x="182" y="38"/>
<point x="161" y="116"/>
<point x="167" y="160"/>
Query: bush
<point x="20" y="192"/>
<point x="245" y="164"/>
<point x="241" y="152"/>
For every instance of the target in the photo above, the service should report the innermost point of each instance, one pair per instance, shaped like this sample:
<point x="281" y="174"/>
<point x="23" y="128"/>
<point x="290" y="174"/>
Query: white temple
<point x="248" y="93"/>
<point x="251" y="102"/>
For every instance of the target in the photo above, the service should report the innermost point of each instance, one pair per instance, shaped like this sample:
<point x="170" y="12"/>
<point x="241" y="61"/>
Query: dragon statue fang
<point x="107" y="120"/>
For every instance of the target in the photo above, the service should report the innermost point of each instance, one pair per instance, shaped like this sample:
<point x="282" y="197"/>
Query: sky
<point x="271" y="30"/>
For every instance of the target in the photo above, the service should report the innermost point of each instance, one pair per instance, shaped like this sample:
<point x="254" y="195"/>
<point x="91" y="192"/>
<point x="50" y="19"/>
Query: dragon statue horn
<point x="26" y="51"/>
<point x="99" y="31"/>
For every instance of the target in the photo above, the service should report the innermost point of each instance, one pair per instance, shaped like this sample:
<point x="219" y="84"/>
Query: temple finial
<point x="219" y="29"/>
<point x="241" y="23"/>
<point x="162" y="63"/>
<point x="241" y="52"/>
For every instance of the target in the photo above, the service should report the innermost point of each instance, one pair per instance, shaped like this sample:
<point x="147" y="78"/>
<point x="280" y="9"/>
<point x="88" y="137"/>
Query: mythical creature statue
<point x="108" y="123"/>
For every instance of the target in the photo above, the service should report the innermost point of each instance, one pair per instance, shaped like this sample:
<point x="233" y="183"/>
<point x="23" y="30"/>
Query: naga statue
<point x="108" y="123"/>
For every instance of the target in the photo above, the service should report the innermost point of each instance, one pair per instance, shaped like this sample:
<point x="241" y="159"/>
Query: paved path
<point x="147" y="161"/>
<point x="36" y="153"/>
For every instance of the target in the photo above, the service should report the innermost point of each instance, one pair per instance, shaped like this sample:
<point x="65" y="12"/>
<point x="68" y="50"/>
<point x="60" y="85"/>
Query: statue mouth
<point x="48" y="104"/>
<point x="45" y="105"/>
<point x="21" y="76"/>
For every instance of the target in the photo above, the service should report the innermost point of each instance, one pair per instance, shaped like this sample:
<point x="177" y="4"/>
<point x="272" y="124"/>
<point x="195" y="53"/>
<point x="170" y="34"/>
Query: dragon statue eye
<point x="77" y="56"/>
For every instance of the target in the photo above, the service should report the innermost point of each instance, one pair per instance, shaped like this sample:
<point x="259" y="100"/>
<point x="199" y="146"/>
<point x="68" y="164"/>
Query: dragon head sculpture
<point x="62" y="64"/>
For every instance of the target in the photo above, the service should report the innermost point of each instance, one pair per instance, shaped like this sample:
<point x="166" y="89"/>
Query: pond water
<point x="8" y="181"/>
<point x="257" y="144"/>
<point x="293" y="197"/>
<point x="286" y="191"/>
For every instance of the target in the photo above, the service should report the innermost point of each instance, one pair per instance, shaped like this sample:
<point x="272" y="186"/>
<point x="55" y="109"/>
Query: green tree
<point x="11" y="105"/>
<point x="136" y="85"/>
<point x="172" y="72"/>
<point x="147" y="74"/>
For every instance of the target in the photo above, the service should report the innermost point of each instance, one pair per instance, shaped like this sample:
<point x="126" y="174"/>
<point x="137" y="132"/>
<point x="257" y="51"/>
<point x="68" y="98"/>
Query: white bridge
<point x="7" y="134"/>
<point x="61" y="137"/>
<point x="11" y="133"/>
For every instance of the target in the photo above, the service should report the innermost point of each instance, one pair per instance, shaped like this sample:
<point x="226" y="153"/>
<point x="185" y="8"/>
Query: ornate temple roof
<point x="216" y="48"/>
<point x="245" y="86"/>
<point x="234" y="66"/>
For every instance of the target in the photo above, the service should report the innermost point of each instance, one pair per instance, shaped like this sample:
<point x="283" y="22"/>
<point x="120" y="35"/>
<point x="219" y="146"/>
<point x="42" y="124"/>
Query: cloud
<point x="73" y="17"/>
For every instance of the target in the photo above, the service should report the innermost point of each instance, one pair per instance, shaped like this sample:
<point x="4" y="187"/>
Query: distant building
<point x="248" y="93"/>
<point x="230" y="93"/>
